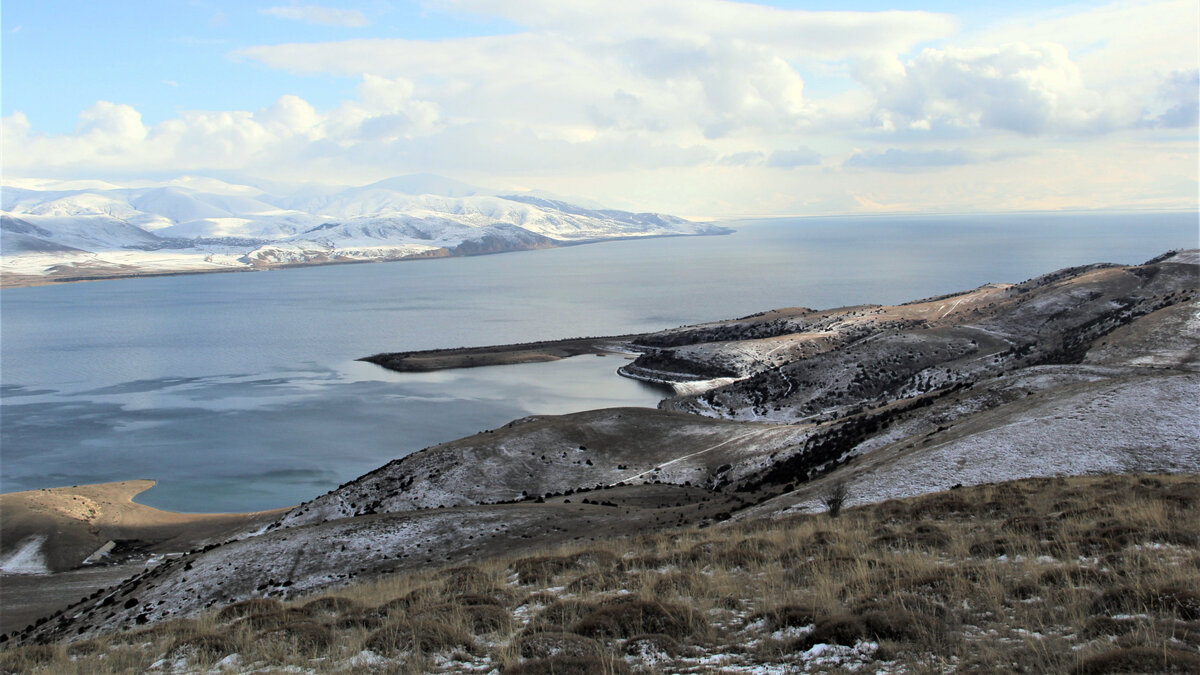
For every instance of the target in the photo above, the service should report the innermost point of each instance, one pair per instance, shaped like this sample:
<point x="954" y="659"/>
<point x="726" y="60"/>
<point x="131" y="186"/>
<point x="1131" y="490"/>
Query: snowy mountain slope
<point x="19" y="236"/>
<point x="408" y="216"/>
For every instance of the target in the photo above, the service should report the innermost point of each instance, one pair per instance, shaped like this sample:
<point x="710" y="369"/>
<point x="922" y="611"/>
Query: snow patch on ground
<point x="701" y="386"/>
<point x="27" y="558"/>
<point x="1146" y="424"/>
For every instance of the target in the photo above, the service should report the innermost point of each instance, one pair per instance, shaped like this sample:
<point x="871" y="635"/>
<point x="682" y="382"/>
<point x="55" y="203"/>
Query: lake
<point x="241" y="391"/>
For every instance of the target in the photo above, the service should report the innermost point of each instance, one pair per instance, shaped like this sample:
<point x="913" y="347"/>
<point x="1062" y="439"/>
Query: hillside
<point x="51" y="233"/>
<point x="1080" y="575"/>
<point x="1090" y="370"/>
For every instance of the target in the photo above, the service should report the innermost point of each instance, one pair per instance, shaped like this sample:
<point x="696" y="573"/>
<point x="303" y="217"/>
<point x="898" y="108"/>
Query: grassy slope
<point x="1083" y="575"/>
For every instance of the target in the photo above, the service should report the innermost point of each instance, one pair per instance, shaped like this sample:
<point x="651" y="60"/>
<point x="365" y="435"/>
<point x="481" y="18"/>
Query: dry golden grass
<point x="1084" y="575"/>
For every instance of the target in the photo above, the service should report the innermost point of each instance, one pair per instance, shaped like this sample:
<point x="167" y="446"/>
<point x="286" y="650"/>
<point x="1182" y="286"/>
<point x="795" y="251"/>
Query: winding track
<point x="756" y="432"/>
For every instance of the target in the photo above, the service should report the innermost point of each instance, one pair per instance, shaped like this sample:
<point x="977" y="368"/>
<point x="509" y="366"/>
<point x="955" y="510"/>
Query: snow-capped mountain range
<point x="92" y="229"/>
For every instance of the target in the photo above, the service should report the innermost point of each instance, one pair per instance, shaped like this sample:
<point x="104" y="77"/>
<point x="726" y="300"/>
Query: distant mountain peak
<point x="425" y="184"/>
<point x="199" y="224"/>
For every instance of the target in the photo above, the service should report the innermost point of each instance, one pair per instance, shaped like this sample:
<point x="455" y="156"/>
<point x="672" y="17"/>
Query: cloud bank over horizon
<point x="698" y="107"/>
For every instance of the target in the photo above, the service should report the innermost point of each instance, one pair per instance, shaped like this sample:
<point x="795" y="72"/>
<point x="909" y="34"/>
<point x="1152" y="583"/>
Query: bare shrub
<point x="835" y="498"/>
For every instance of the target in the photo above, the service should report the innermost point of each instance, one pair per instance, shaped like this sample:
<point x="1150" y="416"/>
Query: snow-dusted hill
<point x="1105" y="382"/>
<point x="64" y="231"/>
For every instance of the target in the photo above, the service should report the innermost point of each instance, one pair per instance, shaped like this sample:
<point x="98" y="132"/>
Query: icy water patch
<point x="249" y="442"/>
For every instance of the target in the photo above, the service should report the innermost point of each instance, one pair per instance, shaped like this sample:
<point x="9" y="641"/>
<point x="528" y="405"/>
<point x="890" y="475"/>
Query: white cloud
<point x="709" y="67"/>
<point x="1126" y="42"/>
<point x="1028" y="89"/>
<point x="1177" y="104"/>
<point x="701" y="107"/>
<point x="110" y="125"/>
<point x="324" y="16"/>
<point x="110" y="136"/>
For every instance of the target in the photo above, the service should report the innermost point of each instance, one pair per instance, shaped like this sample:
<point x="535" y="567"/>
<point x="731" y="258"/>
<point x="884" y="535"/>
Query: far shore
<point x="72" y="273"/>
<point x="502" y="355"/>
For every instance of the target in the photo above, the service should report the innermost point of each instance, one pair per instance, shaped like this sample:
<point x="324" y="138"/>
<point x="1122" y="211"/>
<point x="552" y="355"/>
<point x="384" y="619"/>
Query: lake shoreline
<point x="61" y="542"/>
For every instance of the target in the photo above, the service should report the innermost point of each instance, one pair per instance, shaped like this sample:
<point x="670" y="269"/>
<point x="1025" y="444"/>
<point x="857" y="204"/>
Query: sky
<point x="702" y="108"/>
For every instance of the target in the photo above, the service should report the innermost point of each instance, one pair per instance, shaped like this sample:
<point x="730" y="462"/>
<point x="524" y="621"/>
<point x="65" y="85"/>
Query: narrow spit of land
<point x="502" y="355"/>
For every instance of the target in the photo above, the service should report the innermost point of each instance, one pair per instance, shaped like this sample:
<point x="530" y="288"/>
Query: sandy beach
<point x="46" y="535"/>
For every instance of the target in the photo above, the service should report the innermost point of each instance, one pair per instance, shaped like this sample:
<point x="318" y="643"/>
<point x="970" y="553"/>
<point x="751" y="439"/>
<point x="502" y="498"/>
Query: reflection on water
<point x="240" y="391"/>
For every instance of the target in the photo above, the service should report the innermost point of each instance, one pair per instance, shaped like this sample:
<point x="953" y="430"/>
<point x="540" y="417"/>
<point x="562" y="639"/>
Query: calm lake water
<point x="240" y="391"/>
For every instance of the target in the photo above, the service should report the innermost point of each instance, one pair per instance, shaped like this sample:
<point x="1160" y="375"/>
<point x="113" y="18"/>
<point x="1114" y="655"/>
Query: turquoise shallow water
<point x="240" y="391"/>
